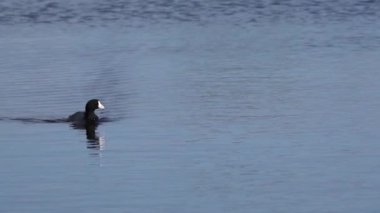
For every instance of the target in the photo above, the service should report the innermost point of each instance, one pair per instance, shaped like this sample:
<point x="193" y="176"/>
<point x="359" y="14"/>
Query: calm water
<point x="217" y="106"/>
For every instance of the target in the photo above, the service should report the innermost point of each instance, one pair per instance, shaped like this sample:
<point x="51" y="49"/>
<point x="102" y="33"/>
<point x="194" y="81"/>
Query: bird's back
<point x="76" y="117"/>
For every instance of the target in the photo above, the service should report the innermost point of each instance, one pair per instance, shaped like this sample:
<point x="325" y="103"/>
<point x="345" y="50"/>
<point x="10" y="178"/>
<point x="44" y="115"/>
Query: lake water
<point x="217" y="106"/>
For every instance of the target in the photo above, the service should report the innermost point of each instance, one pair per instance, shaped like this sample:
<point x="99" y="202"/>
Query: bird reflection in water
<point x="93" y="140"/>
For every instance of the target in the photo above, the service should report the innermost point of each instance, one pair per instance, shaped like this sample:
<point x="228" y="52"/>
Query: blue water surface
<point x="214" y="106"/>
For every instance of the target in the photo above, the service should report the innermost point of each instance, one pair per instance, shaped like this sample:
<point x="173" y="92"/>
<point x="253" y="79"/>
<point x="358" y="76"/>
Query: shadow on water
<point x="34" y="120"/>
<point x="93" y="140"/>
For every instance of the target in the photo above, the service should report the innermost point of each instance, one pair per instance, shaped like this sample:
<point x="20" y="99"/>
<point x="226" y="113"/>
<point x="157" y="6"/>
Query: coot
<point x="89" y="116"/>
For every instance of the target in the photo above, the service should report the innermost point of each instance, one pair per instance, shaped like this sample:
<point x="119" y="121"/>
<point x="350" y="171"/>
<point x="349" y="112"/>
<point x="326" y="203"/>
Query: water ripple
<point x="137" y="12"/>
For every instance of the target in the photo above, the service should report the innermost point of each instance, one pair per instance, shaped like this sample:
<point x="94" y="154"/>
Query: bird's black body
<point x="87" y="117"/>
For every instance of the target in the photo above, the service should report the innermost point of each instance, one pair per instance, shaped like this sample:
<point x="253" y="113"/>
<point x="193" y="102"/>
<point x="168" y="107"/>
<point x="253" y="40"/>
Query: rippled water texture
<point x="212" y="106"/>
